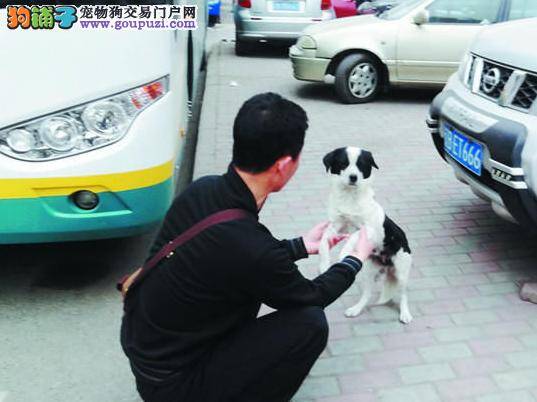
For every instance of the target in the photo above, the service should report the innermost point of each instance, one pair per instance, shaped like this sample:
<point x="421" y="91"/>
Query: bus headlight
<point x="106" y="119"/>
<point x="59" y="133"/>
<point x="82" y="128"/>
<point x="20" y="140"/>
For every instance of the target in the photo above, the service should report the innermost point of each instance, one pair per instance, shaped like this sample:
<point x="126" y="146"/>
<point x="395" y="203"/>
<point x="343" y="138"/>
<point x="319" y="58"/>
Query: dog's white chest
<point x="348" y="217"/>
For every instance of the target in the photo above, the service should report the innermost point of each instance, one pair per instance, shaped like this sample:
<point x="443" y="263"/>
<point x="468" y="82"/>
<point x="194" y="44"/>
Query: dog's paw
<point x="405" y="317"/>
<point x="353" y="311"/>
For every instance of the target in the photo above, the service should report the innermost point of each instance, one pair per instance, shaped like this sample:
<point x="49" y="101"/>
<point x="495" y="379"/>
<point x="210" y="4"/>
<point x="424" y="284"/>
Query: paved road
<point x="472" y="338"/>
<point x="59" y="321"/>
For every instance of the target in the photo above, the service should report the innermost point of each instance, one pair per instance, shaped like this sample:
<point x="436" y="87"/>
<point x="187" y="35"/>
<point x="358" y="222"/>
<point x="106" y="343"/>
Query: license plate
<point x="461" y="148"/>
<point x="285" y="6"/>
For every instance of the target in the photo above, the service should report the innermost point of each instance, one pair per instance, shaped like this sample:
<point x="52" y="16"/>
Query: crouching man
<point x="190" y="328"/>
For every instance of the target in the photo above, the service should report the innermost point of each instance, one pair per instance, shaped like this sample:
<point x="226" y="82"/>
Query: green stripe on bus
<point x="52" y="219"/>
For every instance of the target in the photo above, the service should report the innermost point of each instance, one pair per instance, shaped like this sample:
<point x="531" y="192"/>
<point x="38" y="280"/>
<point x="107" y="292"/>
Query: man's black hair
<point x="266" y="128"/>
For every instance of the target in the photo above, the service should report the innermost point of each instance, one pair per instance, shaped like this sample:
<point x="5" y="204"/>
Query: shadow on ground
<point x="69" y="265"/>
<point x="268" y="50"/>
<point x="327" y="93"/>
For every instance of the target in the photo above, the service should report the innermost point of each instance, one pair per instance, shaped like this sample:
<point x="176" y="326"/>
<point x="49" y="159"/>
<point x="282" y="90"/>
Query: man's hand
<point x="363" y="247"/>
<point x="312" y="240"/>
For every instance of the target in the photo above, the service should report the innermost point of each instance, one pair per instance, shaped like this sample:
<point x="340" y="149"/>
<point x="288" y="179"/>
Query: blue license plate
<point x="461" y="148"/>
<point x="285" y="6"/>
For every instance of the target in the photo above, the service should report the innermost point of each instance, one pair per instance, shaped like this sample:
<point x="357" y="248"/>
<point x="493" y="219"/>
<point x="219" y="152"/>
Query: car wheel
<point x="242" y="48"/>
<point x="213" y="19"/>
<point x="358" y="79"/>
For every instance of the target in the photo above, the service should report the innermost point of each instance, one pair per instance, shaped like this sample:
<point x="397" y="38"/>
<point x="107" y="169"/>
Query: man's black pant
<point x="266" y="360"/>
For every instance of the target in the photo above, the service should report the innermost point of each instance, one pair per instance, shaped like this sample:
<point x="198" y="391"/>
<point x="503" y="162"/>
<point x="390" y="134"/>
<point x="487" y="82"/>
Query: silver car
<point x="484" y="123"/>
<point x="276" y="20"/>
<point x="417" y="43"/>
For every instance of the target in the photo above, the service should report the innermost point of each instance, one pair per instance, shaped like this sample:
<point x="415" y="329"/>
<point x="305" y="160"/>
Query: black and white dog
<point x="352" y="206"/>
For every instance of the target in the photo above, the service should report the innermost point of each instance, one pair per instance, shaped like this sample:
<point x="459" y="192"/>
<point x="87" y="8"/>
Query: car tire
<point x="242" y="48"/>
<point x="213" y="20"/>
<point x="358" y="79"/>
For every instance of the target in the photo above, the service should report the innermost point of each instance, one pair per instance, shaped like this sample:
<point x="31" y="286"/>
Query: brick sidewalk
<point x="472" y="339"/>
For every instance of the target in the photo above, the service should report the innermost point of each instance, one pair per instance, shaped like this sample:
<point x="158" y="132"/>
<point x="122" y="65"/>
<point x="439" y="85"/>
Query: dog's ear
<point x="328" y="160"/>
<point x="368" y="157"/>
<point x="336" y="160"/>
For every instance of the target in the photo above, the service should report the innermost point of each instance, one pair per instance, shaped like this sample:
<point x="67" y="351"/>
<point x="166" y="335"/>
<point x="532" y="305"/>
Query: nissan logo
<point x="491" y="79"/>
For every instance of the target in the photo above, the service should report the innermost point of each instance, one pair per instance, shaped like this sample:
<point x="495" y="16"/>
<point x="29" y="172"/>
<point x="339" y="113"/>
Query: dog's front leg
<point x="349" y="245"/>
<point x="324" y="248"/>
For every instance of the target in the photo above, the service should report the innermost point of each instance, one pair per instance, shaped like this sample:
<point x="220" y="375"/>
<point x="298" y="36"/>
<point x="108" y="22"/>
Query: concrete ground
<point x="472" y="339"/>
<point x="60" y="318"/>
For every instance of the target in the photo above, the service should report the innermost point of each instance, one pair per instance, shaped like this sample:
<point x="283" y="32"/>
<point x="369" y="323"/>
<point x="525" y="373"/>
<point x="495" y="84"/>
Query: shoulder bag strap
<point x="169" y="249"/>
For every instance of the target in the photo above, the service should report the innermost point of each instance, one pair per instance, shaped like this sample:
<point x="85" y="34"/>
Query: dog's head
<point x="350" y="166"/>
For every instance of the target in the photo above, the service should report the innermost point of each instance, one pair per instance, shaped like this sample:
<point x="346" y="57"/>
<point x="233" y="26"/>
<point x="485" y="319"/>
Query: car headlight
<point x="81" y="128"/>
<point x="306" y="42"/>
<point x="465" y="69"/>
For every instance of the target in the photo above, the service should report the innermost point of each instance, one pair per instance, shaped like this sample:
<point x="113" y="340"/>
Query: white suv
<point x="484" y="123"/>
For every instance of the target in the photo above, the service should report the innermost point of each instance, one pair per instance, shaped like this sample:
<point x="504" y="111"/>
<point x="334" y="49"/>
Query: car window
<point x="464" y="11"/>
<point x="400" y="10"/>
<point x="523" y="9"/>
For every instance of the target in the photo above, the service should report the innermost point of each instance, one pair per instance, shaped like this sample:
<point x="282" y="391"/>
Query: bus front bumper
<point x="39" y="210"/>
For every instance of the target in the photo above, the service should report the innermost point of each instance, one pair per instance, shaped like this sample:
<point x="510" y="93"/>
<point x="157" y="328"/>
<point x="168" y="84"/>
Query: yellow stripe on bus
<point x="59" y="186"/>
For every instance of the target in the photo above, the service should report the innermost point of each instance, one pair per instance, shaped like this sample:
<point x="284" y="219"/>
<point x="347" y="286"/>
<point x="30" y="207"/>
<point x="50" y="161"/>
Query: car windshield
<point x="400" y="10"/>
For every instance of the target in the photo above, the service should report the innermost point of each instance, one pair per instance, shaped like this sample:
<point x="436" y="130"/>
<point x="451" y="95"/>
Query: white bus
<point x="92" y="127"/>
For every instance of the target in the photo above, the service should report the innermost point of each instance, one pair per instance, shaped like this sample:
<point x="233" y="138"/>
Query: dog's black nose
<point x="353" y="178"/>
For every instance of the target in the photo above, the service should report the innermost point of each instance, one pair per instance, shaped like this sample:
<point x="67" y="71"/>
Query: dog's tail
<point x="389" y="290"/>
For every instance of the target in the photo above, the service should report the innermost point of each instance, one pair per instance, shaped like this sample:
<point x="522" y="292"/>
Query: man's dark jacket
<point x="216" y="281"/>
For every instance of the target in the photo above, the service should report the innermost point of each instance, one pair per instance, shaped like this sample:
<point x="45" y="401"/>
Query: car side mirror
<point x="421" y="17"/>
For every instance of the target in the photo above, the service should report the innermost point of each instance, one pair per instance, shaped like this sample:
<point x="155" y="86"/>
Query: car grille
<point x="493" y="79"/>
<point x="527" y="93"/>
<point x="507" y="86"/>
